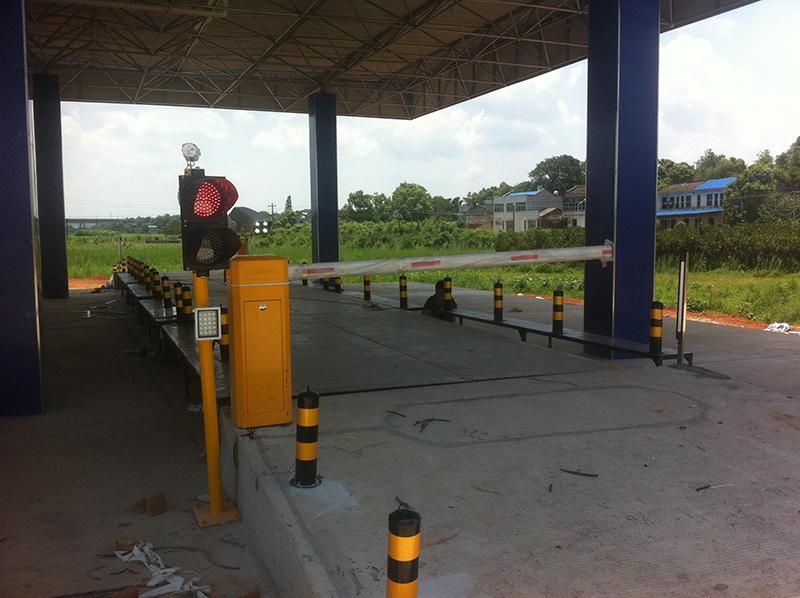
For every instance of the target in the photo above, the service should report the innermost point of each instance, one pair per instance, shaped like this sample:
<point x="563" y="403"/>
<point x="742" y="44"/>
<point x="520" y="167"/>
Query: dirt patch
<point x="712" y="317"/>
<point x="92" y="282"/>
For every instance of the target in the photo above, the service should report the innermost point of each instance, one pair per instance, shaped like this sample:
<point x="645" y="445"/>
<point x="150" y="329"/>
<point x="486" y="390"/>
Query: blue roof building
<point x="697" y="203"/>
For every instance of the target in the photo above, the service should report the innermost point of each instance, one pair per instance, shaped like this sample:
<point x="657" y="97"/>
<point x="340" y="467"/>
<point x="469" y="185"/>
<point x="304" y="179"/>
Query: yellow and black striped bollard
<point x="402" y="566"/>
<point x="337" y="284"/>
<point x="188" y="310"/>
<point x="558" y="313"/>
<point x="656" y="330"/>
<point x="326" y="283"/>
<point x="155" y="282"/>
<point x="448" y="294"/>
<point x="146" y="279"/>
<point x="178" y="294"/>
<point x="166" y="292"/>
<point x="367" y="288"/>
<point x="225" y="339"/>
<point x="307" y="441"/>
<point x="305" y="281"/>
<point x="403" y="292"/>
<point x="498" y="301"/>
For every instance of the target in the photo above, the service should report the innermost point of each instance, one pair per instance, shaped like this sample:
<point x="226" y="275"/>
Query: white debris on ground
<point x="783" y="327"/>
<point x="164" y="580"/>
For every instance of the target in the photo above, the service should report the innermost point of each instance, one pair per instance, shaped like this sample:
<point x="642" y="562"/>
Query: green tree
<point x="476" y="198"/>
<point x="445" y="208"/>
<point x="779" y="207"/>
<point x="671" y="173"/>
<point x="410" y="202"/>
<point x="558" y="173"/>
<point x="287" y="207"/>
<point x="360" y="207"/>
<point x="745" y="196"/>
<point x="717" y="166"/>
<point x="788" y="168"/>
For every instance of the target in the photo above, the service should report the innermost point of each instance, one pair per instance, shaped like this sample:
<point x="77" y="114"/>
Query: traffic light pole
<point x="217" y="511"/>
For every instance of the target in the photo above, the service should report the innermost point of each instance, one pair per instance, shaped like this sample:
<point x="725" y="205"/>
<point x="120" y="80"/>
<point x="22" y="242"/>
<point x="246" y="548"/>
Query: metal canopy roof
<point x="384" y="58"/>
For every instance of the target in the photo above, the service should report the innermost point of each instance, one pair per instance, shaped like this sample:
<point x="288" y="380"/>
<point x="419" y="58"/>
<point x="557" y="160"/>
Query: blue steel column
<point x="324" y="189"/>
<point x="621" y="159"/>
<point x="50" y="186"/>
<point x="20" y="363"/>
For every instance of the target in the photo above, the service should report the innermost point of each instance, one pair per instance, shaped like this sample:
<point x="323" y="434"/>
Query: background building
<point x="694" y="204"/>
<point x="522" y="210"/>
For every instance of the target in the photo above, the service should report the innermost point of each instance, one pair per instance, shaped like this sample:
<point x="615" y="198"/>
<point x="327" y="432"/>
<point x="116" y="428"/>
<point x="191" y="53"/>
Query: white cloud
<point x="283" y="137"/>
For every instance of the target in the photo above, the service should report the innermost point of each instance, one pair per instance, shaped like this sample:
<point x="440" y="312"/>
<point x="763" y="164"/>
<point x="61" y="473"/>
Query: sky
<point x="728" y="83"/>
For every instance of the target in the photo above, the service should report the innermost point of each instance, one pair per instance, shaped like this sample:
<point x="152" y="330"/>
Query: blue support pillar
<point x="324" y="189"/>
<point x="621" y="164"/>
<point x="50" y="186"/>
<point x="20" y="361"/>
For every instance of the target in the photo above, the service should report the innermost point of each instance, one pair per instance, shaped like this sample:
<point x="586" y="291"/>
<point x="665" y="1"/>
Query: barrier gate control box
<point x="260" y="349"/>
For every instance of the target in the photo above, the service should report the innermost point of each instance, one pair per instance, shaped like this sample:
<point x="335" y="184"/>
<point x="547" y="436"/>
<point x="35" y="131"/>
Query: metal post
<point x="680" y="323"/>
<point x="178" y="294"/>
<point x="166" y="291"/>
<point x="50" y="186"/>
<point x="225" y="340"/>
<point x="217" y="511"/>
<point x="402" y="562"/>
<point x="307" y="441"/>
<point x="403" y="292"/>
<point x="558" y="313"/>
<point x="656" y="330"/>
<point x="188" y="310"/>
<point x="498" y="301"/>
<point x="448" y="294"/>
<point x="324" y="190"/>
<point x="622" y="120"/>
<point x="367" y="288"/>
<point x="20" y="340"/>
<point x="155" y="283"/>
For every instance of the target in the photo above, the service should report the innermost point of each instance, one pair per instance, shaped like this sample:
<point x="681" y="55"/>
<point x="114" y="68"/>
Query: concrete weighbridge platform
<point x="693" y="485"/>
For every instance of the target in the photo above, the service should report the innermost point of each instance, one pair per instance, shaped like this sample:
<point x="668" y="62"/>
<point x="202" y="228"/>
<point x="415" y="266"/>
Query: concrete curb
<point x="277" y="535"/>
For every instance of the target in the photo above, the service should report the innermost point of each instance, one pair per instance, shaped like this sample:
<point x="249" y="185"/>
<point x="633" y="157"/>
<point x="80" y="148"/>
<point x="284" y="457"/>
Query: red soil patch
<point x="81" y="284"/>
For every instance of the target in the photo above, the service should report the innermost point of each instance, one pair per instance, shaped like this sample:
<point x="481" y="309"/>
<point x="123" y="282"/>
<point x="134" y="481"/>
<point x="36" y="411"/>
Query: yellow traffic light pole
<point x="217" y="511"/>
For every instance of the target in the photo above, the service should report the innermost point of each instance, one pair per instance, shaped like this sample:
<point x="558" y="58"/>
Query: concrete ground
<point x="116" y="430"/>
<point x="692" y="485"/>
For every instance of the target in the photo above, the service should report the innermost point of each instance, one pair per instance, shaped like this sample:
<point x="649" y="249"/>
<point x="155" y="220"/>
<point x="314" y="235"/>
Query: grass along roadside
<point x="756" y="295"/>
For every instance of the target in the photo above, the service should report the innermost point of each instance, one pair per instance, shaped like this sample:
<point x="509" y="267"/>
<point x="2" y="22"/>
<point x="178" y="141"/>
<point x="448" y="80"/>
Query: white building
<point x="695" y="204"/>
<point x="522" y="210"/>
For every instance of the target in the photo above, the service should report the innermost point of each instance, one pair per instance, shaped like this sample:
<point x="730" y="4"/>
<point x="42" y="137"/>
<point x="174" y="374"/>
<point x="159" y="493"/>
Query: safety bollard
<point x="558" y="313"/>
<point x="146" y="278"/>
<point x="498" y="301"/>
<point x="178" y="298"/>
<point x="155" y="279"/>
<point x="337" y="284"/>
<point x="166" y="292"/>
<point x="305" y="281"/>
<point x="188" y="310"/>
<point x="448" y="294"/>
<point x="403" y="292"/>
<point x="656" y="330"/>
<point x="402" y="563"/>
<point x="225" y="339"/>
<point x="367" y="288"/>
<point x="307" y="441"/>
<point x="326" y="283"/>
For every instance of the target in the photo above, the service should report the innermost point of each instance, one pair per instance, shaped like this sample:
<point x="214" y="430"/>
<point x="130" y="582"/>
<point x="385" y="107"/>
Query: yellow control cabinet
<point x="260" y="345"/>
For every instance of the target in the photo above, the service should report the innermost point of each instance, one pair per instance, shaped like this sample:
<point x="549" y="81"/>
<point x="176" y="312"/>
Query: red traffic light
<point x="213" y="197"/>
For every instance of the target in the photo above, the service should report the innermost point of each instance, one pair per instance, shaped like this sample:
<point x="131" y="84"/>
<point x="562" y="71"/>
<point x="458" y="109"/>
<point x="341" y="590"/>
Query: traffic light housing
<point x="205" y="201"/>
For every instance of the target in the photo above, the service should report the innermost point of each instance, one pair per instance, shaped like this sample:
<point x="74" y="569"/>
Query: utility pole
<point x="272" y="207"/>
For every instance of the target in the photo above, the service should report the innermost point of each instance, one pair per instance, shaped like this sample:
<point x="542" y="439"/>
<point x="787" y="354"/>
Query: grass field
<point x="757" y="295"/>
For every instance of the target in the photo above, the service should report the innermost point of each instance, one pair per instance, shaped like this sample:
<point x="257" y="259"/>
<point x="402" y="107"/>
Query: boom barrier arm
<point x="603" y="253"/>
